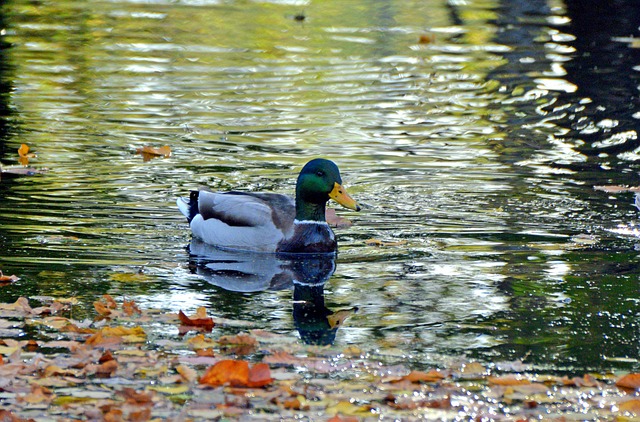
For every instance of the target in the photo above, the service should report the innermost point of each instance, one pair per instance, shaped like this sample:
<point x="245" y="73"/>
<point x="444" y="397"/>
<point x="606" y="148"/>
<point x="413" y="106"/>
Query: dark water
<point x="475" y="151"/>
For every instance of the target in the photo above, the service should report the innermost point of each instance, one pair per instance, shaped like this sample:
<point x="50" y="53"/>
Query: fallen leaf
<point x="134" y="397"/>
<point x="419" y="376"/>
<point x="148" y="152"/>
<point x="233" y="372"/>
<point x="617" y="188"/>
<point x="630" y="381"/>
<point x="259" y="375"/>
<point x="205" y="324"/>
<point x="240" y="344"/>
<point x="631" y="406"/>
<point x="37" y="395"/>
<point x="7" y="279"/>
<point x="508" y="380"/>
<point x="129" y="308"/>
<point x="337" y="318"/>
<point x="380" y="243"/>
<point x="187" y="373"/>
<point x="426" y="38"/>
<point x="101" y="309"/>
<point x="200" y="342"/>
<point x="170" y="389"/>
<point x="24" y="155"/>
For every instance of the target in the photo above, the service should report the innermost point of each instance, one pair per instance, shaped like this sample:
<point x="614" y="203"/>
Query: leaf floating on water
<point x="381" y="243"/>
<point x="337" y="318"/>
<point x="201" y="322"/>
<point x="227" y="372"/>
<point x="617" y="188"/>
<point x="427" y="38"/>
<point x="7" y="279"/>
<point x="24" y="155"/>
<point x="631" y="406"/>
<point x="629" y="381"/>
<point x="508" y="380"/>
<point x="241" y="344"/>
<point x="149" y="153"/>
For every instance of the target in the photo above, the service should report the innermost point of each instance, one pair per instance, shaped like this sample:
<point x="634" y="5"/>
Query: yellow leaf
<point x="4" y="350"/>
<point x="130" y="277"/>
<point x="336" y="319"/>
<point x="169" y="389"/>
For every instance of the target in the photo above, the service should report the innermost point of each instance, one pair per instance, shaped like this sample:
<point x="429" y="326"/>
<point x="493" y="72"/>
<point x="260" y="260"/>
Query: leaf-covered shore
<point x="137" y="364"/>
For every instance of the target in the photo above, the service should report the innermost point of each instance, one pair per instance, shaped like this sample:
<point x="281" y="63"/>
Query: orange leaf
<point x="631" y="406"/>
<point x="508" y="380"/>
<point x="234" y="372"/>
<point x="630" y="381"/>
<point x="23" y="150"/>
<point x="204" y="323"/>
<point x="129" y="307"/>
<point x="24" y="155"/>
<point x="107" y="368"/>
<point x="6" y="279"/>
<point x="111" y="303"/>
<point x="148" y="152"/>
<point x="259" y="375"/>
<point x="101" y="309"/>
<point x="419" y="376"/>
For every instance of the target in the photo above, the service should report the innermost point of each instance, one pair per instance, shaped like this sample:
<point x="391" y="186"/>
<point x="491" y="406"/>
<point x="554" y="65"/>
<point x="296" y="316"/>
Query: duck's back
<point x="240" y="220"/>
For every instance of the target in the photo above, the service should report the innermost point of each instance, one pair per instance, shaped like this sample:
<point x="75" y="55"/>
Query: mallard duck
<point x="270" y="222"/>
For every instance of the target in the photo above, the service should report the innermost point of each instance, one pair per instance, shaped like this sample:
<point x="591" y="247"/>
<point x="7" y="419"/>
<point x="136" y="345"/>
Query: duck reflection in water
<point x="245" y="272"/>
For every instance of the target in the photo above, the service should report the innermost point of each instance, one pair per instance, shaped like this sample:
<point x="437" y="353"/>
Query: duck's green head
<point x="318" y="182"/>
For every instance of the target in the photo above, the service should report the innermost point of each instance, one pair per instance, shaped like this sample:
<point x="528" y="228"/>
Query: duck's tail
<point x="189" y="206"/>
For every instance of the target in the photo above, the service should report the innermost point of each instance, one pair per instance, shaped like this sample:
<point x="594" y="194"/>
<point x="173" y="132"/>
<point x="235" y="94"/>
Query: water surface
<point x="472" y="132"/>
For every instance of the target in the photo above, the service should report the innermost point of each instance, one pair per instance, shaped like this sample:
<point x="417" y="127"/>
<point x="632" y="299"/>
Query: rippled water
<point x="473" y="132"/>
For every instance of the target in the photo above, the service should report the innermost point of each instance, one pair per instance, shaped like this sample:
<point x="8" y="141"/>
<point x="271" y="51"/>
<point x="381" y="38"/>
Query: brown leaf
<point x="241" y="344"/>
<point x="37" y="395"/>
<point x="129" y="308"/>
<point x="337" y="318"/>
<point x="205" y="324"/>
<point x="148" y="152"/>
<point x="426" y="38"/>
<point x="140" y="415"/>
<point x="419" y="376"/>
<point x="107" y="369"/>
<point x="105" y="357"/>
<point x="381" y="243"/>
<point x="508" y="380"/>
<point x="113" y="415"/>
<point x="7" y="416"/>
<point x="187" y="373"/>
<point x="631" y="406"/>
<point x="111" y="303"/>
<point x="630" y="381"/>
<point x="101" y="309"/>
<point x="132" y="396"/>
<point x="259" y="375"/>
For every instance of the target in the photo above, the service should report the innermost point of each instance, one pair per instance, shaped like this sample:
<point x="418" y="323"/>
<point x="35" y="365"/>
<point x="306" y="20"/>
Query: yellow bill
<point x="340" y="195"/>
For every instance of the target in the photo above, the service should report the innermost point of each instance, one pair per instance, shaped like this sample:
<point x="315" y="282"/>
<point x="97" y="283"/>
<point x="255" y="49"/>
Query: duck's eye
<point x="320" y="173"/>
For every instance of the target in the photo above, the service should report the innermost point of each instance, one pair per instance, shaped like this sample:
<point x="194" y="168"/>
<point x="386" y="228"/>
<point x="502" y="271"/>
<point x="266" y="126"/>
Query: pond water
<point x="472" y="132"/>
